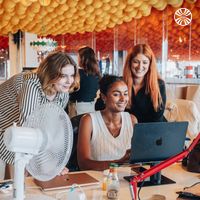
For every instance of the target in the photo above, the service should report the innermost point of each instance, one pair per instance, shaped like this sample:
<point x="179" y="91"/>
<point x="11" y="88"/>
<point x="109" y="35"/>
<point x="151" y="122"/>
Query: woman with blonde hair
<point x="20" y="95"/>
<point x="147" y="95"/>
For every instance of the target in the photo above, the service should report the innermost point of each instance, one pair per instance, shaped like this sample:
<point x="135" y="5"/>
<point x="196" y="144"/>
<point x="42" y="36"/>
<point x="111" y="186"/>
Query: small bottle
<point x="104" y="184"/>
<point x="113" y="182"/>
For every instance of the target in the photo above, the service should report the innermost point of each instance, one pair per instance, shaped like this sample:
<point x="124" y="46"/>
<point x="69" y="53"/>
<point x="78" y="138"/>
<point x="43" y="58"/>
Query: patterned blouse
<point x="19" y="96"/>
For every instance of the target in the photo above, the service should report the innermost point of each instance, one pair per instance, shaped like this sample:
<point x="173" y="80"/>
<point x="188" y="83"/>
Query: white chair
<point x="184" y="110"/>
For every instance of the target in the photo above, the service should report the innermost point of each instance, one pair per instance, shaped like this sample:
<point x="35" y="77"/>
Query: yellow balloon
<point x="3" y="23"/>
<point x="60" y="18"/>
<point x="64" y="7"/>
<point x="146" y="10"/>
<point x="14" y="20"/>
<point x="62" y="1"/>
<point x="81" y="6"/>
<point x="106" y="6"/>
<point x="178" y="4"/>
<point x="53" y="4"/>
<point x="121" y="5"/>
<point x="16" y="1"/>
<point x="89" y="21"/>
<point x="68" y="14"/>
<point x="160" y="5"/>
<point x="8" y="5"/>
<point x="97" y="4"/>
<point x="113" y="10"/>
<point x="114" y="2"/>
<point x="129" y="8"/>
<point x="138" y="4"/>
<point x="120" y="21"/>
<point x="99" y="19"/>
<point x="98" y="11"/>
<point x="131" y="1"/>
<point x="45" y="2"/>
<point x="6" y="16"/>
<point x="106" y="1"/>
<point x="72" y="3"/>
<point x="119" y="13"/>
<point x="1" y="11"/>
<point x="49" y="9"/>
<point x="133" y="13"/>
<point x="52" y="15"/>
<point x="23" y="22"/>
<point x="152" y="2"/>
<point x="88" y="2"/>
<point x="20" y="9"/>
<point x="81" y="13"/>
<point x="138" y="15"/>
<point x="89" y="9"/>
<point x="26" y="2"/>
<point x="114" y="19"/>
<point x="127" y="18"/>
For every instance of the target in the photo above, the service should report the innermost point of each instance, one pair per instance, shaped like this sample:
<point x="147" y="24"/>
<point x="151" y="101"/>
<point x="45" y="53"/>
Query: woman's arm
<point x="133" y="119"/>
<point x="83" y="148"/>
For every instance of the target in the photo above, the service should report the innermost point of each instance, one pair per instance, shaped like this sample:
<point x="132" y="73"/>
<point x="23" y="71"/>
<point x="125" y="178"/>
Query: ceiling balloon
<point x="62" y="15"/>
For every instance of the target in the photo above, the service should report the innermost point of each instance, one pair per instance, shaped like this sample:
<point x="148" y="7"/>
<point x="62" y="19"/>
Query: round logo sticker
<point x="183" y="16"/>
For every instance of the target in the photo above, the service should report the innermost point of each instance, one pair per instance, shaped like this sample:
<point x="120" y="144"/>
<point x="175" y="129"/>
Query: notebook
<point x="157" y="141"/>
<point x="66" y="181"/>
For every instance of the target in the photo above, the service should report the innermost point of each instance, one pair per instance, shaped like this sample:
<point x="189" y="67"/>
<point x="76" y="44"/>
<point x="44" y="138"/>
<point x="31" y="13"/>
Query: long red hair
<point x="150" y="79"/>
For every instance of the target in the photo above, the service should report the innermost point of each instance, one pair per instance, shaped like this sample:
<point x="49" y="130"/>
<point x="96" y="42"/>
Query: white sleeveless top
<point x="103" y="145"/>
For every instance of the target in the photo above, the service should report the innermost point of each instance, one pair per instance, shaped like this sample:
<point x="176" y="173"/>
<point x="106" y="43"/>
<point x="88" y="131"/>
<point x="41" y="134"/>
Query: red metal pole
<point x="153" y="170"/>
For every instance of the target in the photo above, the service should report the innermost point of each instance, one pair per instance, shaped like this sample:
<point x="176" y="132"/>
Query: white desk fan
<point x="43" y="145"/>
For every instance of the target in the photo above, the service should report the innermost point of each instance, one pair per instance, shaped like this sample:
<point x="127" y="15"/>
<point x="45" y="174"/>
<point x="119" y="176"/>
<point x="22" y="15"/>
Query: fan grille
<point x="57" y="131"/>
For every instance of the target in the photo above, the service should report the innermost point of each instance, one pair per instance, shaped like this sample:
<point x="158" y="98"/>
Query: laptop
<point x="66" y="181"/>
<point x="157" y="141"/>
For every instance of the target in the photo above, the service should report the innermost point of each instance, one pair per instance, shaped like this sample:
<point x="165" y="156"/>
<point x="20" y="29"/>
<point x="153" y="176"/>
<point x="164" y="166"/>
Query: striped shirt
<point x="19" y="96"/>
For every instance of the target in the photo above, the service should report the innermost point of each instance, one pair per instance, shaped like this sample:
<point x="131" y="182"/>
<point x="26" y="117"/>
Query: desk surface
<point x="175" y="172"/>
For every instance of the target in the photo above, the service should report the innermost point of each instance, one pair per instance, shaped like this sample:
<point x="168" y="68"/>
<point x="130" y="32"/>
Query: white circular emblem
<point x="183" y="16"/>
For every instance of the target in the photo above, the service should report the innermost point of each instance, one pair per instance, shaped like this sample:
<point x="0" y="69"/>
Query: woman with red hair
<point x="147" y="95"/>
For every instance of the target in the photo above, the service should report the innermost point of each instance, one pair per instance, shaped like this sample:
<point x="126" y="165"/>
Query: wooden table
<point x="175" y="172"/>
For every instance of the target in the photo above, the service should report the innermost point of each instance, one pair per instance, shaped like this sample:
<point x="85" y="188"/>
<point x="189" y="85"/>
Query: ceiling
<point x="113" y="24"/>
<point x="182" y="40"/>
<point x="44" y="17"/>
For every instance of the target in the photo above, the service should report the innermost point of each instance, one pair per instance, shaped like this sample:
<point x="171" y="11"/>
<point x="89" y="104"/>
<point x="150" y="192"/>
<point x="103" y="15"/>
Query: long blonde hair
<point x="49" y="71"/>
<point x="150" y="79"/>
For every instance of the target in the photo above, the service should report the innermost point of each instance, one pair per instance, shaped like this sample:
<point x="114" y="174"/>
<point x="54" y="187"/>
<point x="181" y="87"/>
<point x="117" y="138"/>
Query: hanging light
<point x="44" y="44"/>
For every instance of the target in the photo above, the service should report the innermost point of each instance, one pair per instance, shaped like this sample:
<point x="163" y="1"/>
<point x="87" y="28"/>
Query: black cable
<point x="140" y="189"/>
<point x="191" y="185"/>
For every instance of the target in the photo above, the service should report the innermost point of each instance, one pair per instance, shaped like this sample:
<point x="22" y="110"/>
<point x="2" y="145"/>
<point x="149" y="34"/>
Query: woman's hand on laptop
<point x="64" y="171"/>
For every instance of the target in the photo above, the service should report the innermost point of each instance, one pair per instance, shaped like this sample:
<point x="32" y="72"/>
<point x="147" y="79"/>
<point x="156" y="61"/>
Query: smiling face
<point x="66" y="79"/>
<point x="140" y="66"/>
<point x="116" y="98"/>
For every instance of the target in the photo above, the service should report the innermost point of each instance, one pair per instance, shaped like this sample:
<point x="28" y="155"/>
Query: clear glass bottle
<point x="113" y="182"/>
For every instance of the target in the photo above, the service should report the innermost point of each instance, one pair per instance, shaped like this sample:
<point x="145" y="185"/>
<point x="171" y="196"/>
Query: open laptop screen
<point x="157" y="141"/>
